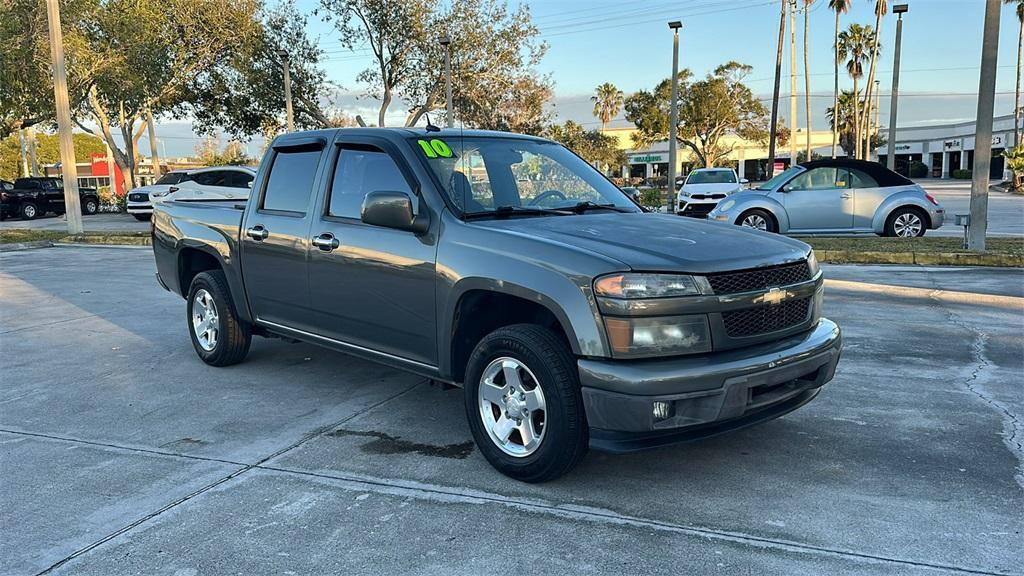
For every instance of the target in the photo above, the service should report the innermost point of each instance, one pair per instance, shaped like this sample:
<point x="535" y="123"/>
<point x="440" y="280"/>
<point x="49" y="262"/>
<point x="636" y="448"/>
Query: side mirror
<point x="390" y="209"/>
<point x="744" y="181"/>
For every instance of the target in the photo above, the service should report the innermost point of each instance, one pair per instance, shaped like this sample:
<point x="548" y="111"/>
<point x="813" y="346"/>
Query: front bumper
<point x="708" y="394"/>
<point x="140" y="208"/>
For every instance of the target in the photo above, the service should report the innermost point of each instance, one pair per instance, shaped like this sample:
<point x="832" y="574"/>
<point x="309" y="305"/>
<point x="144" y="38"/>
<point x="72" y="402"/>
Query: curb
<point x="922" y="258"/>
<point x="113" y="240"/>
<point x="15" y="246"/>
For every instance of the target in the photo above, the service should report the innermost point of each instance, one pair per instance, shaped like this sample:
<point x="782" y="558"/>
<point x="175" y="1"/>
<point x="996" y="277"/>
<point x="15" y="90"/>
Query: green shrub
<point x="962" y="174"/>
<point x="918" y="170"/>
<point x="651" y="197"/>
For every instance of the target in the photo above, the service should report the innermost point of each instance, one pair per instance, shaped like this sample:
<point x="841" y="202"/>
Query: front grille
<point x="765" y="319"/>
<point x="138" y="197"/>
<point x="760" y="278"/>
<point x="697" y="210"/>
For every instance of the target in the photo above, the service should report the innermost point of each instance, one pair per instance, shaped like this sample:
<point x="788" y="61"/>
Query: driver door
<point x="819" y="199"/>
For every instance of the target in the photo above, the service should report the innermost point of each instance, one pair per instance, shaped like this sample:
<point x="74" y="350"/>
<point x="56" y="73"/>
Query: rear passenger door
<point x="275" y="235"/>
<point x="371" y="286"/>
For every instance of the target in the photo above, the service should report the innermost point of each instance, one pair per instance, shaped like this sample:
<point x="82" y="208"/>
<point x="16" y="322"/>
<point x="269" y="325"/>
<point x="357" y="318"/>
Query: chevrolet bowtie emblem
<point x="774" y="296"/>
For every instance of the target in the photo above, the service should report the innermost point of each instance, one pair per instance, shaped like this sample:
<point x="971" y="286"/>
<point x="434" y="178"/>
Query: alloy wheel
<point x="512" y="407"/>
<point x="907" y="225"/>
<point x="205" y="321"/>
<point x="755" y="221"/>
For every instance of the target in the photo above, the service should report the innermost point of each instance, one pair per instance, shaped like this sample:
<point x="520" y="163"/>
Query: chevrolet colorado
<point x="506" y="265"/>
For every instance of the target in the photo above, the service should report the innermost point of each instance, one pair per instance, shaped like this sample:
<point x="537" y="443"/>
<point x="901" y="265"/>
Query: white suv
<point x="704" y="188"/>
<point x="219" y="182"/>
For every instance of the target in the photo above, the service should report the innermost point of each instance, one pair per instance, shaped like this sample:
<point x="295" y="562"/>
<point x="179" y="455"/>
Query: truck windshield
<point x="493" y="175"/>
<point x="711" y="177"/>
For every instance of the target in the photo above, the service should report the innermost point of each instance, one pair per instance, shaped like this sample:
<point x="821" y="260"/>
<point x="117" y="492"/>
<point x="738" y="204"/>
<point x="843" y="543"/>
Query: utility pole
<point x="807" y="78"/>
<point x="890" y="158"/>
<point x="792" y="83"/>
<point x="773" y="132"/>
<point x="152" y="144"/>
<point x="675" y="25"/>
<point x="23" y="152"/>
<point x="449" y="110"/>
<point x="983" y="133"/>
<point x="33" y="160"/>
<point x="285" y="62"/>
<point x="69" y="170"/>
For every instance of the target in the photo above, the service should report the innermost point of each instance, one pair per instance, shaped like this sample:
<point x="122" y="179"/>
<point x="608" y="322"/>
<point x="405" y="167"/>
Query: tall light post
<point x="285" y="62"/>
<point x="983" y="133"/>
<point x="792" y="83"/>
<point x="675" y="25"/>
<point x="446" y="41"/>
<point x="890" y="158"/>
<point x="773" y="132"/>
<point x="69" y="170"/>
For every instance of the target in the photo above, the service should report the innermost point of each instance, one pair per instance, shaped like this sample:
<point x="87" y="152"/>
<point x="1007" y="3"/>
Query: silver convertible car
<point x="834" y="196"/>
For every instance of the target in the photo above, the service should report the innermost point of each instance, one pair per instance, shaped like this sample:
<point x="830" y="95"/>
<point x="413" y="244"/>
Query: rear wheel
<point x="906" y="223"/>
<point x="218" y="336"/>
<point x="524" y="405"/>
<point x="28" y="211"/>
<point x="90" y="206"/>
<point x="757" y="219"/>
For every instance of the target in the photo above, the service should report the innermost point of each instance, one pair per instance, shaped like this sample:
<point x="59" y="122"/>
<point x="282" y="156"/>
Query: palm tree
<point x="807" y="78"/>
<point x="607" y="103"/>
<point x="842" y="123"/>
<point x="854" y="43"/>
<point x="1016" y="94"/>
<point x="839" y="7"/>
<point x="881" y="9"/>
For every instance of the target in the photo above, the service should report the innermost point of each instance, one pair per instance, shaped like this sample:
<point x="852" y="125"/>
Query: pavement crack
<point x="245" y="468"/>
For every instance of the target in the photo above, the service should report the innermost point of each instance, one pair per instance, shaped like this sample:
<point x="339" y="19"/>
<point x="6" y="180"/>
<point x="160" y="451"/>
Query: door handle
<point x="257" y="233"/>
<point x="326" y="242"/>
<point x="846" y="196"/>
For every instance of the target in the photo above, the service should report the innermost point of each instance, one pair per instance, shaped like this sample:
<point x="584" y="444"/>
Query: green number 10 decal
<point x="435" y="148"/>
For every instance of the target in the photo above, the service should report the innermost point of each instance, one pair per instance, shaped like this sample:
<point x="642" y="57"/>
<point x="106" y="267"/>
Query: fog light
<point x="662" y="410"/>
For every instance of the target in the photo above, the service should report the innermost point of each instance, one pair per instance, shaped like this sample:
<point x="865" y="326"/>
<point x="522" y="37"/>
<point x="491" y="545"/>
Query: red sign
<point x="778" y="167"/>
<point x="99" y="169"/>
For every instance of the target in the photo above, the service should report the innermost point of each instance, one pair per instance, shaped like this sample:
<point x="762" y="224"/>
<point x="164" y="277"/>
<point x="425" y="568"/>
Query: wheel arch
<point x="902" y="199"/>
<point x="769" y="205"/>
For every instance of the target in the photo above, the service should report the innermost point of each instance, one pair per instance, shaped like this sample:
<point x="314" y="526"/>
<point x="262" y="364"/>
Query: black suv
<point x="30" y="198"/>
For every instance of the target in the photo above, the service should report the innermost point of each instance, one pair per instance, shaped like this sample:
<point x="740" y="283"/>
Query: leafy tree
<point x="233" y="153"/>
<point x="709" y="109"/>
<point x="608" y="102"/>
<point x="592" y="145"/>
<point x="47" y="152"/>
<point x="494" y="52"/>
<point x="855" y="42"/>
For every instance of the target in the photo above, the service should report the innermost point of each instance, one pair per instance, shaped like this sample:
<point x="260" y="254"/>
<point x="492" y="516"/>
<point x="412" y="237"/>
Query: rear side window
<point x="214" y="178"/>
<point x="860" y="179"/>
<point x="290" y="183"/>
<point x="171" y="178"/>
<point x="359" y="172"/>
<point x="239" y="179"/>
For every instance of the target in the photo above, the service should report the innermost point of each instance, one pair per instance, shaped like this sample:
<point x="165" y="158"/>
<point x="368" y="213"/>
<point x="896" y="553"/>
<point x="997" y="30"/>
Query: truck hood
<point x="723" y="188"/>
<point x="659" y="242"/>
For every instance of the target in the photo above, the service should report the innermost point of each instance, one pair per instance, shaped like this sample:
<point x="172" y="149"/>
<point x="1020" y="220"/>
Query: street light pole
<point x="287" y="89"/>
<point x="792" y="83"/>
<point x="890" y="158"/>
<point x="675" y="25"/>
<point x="69" y="170"/>
<point x="772" y="132"/>
<point x="983" y="133"/>
<point x="449" y="111"/>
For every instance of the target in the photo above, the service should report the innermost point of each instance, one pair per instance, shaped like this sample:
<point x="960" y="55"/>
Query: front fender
<point x="909" y="197"/>
<point x="764" y="202"/>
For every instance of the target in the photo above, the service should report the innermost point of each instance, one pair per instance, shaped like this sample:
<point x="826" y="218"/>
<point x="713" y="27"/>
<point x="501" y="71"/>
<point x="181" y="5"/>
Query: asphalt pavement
<point x="122" y="453"/>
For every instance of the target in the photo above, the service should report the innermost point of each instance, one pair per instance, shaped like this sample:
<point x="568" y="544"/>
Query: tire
<point x="90" y="206"/>
<point x="758" y="219"/>
<point x="542" y="361"/>
<point x="906" y="223"/>
<point x="229" y="342"/>
<point x="142" y="217"/>
<point x="28" y="211"/>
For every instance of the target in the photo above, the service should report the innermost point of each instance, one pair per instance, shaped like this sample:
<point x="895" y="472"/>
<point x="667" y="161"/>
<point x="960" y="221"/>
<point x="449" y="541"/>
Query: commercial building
<point x="944" y="148"/>
<point x="96" y="173"/>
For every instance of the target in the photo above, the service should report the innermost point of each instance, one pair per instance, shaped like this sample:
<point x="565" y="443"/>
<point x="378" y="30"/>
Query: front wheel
<point x="524" y="405"/>
<point x="90" y="207"/>
<point x="28" y="211"/>
<point x="905" y="223"/>
<point x="758" y="220"/>
<point x="218" y="336"/>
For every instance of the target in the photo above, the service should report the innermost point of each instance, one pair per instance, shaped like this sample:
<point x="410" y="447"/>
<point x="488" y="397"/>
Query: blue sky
<point x="629" y="44"/>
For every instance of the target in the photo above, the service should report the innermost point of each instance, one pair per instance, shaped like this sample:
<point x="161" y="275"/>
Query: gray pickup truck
<point x="506" y="265"/>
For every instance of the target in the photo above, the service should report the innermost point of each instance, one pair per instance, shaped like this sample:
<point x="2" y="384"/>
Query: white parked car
<point x="704" y="188"/>
<point x="218" y="182"/>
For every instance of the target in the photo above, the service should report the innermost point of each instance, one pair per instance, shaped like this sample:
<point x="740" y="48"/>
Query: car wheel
<point x="141" y="217"/>
<point x="90" y="207"/>
<point x="905" y="223"/>
<point x="524" y="405"/>
<point x="218" y="336"/>
<point x="28" y="211"/>
<point x="757" y="219"/>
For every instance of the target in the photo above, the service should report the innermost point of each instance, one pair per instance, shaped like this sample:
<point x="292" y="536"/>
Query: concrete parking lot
<point x="122" y="453"/>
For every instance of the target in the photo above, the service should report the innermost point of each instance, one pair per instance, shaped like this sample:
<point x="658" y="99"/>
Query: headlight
<point x="646" y="286"/>
<point x="158" y="194"/>
<point x="658" y="336"/>
<point x="812" y="263"/>
<point x="726" y="205"/>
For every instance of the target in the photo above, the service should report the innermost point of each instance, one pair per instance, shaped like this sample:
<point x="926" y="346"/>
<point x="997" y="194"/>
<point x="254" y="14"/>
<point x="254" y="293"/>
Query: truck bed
<point x="212" y="225"/>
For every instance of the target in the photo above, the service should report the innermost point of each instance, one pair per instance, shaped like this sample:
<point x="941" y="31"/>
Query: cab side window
<point x="860" y="179"/>
<point x="239" y="179"/>
<point x="290" y="183"/>
<point x="360" y="171"/>
<point x="823" y="178"/>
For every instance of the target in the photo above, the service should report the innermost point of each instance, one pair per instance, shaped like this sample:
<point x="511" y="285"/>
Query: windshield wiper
<point x="582" y="207"/>
<point x="506" y="210"/>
